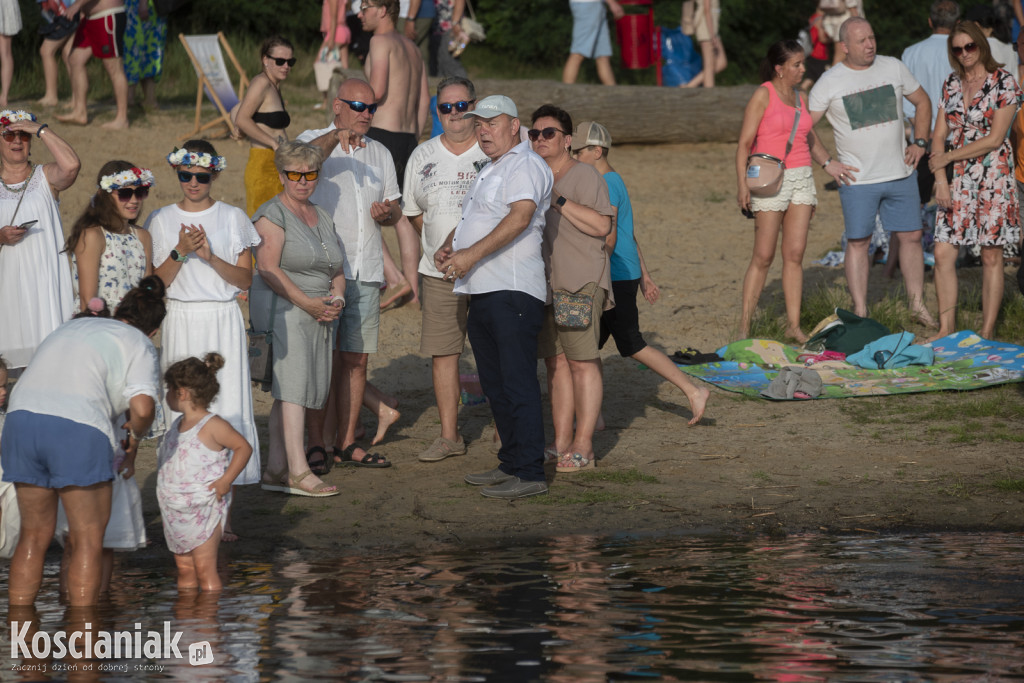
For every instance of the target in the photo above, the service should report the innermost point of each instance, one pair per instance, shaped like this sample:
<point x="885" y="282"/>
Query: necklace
<point x="23" y="183"/>
<point x="315" y="230"/>
<point x="562" y="165"/>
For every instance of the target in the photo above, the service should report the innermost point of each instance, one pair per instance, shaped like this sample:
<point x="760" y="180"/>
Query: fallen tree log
<point x="635" y="113"/>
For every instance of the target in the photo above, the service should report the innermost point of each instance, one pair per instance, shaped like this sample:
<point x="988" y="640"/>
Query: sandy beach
<point x="751" y="466"/>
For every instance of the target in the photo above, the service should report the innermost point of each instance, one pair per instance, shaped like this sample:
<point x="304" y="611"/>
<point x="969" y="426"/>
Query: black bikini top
<point x="278" y="120"/>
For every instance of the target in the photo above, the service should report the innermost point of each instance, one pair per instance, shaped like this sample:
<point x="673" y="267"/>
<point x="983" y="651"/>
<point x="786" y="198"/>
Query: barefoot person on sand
<point x="100" y="34"/>
<point x="591" y="143"/>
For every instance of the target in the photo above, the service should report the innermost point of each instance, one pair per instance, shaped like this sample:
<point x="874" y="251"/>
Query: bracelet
<point x="39" y="133"/>
<point x="825" y="165"/>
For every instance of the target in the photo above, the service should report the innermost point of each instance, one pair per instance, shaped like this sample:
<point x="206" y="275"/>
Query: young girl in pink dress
<point x="193" y="485"/>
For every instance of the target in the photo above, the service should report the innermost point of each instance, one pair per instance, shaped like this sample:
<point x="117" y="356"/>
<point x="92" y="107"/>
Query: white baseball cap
<point x="493" y="105"/>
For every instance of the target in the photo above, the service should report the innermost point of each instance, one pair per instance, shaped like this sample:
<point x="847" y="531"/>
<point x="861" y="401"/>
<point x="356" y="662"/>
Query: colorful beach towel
<point x="963" y="361"/>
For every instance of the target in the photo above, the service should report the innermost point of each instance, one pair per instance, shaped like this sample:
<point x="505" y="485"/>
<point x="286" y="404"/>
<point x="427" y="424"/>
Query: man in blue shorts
<point x="591" y="39"/>
<point x="862" y="97"/>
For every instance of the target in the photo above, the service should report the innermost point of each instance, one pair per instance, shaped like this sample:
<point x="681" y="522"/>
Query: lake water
<point x="806" y="608"/>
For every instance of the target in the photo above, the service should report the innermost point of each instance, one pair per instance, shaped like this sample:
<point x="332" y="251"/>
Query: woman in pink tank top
<point x="768" y="125"/>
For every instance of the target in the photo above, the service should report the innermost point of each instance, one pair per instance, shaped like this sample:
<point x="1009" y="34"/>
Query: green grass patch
<point x="630" y="476"/>
<point x="1009" y="485"/>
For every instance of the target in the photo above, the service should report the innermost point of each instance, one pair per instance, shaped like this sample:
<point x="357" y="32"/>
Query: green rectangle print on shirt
<point x="871" y="107"/>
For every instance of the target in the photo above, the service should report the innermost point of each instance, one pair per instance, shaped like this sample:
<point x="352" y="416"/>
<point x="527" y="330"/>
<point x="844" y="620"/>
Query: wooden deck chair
<point x="214" y="81"/>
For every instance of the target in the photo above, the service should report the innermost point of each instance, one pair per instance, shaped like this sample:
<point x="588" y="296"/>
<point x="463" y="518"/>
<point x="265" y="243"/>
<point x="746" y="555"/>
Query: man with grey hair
<point x="494" y="254"/>
<point x="437" y="178"/>
<point x="862" y="97"/>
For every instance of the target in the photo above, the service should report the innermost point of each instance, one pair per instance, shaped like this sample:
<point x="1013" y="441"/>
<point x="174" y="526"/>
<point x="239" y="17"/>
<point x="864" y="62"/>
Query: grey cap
<point x="493" y="105"/>
<point x="589" y="133"/>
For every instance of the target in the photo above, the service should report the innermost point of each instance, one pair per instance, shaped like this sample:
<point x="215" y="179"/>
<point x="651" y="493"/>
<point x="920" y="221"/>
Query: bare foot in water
<point x="386" y="416"/>
<point x="116" y="124"/>
<point x="698" y="403"/>
<point x="75" y="118"/>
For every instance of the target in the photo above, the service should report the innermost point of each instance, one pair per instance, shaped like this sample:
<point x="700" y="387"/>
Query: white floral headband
<point x="130" y="178"/>
<point x="9" y="116"/>
<point x="183" y="157"/>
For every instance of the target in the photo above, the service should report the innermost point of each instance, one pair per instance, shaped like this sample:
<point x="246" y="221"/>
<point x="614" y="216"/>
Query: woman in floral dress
<point x="979" y="101"/>
<point x="110" y="254"/>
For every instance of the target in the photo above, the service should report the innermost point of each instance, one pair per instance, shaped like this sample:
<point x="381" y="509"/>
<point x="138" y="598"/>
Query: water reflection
<point x="583" y="609"/>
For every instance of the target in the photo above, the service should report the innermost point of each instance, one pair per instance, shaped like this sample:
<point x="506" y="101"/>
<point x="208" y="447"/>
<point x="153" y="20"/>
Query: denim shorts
<point x="896" y="201"/>
<point x="54" y="452"/>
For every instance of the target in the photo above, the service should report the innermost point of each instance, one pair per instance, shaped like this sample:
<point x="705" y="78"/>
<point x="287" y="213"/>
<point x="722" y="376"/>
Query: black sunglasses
<point x="296" y="176"/>
<point x="360" y="107"/>
<point x="201" y="178"/>
<point x="547" y="133"/>
<point x="10" y="135"/>
<point x="969" y="47"/>
<point x="281" y="61"/>
<point x="125" y="193"/>
<point x="460" y="106"/>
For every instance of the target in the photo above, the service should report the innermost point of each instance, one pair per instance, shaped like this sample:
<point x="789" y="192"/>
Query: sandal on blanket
<point x="691" y="356"/>
<point x="344" y="457"/>
<point x="319" y="463"/>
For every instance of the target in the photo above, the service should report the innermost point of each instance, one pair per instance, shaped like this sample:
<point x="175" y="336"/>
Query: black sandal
<point x="344" y="457"/>
<point x="316" y="458"/>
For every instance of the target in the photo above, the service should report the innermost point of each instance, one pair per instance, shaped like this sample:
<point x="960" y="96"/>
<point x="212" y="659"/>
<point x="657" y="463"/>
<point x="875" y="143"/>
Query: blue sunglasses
<point x="360" y="107"/>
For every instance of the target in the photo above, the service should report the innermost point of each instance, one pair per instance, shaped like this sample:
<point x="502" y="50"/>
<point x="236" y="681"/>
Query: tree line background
<point x="526" y="38"/>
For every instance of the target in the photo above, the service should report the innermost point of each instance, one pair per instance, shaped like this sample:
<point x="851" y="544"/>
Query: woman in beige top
<point x="575" y="258"/>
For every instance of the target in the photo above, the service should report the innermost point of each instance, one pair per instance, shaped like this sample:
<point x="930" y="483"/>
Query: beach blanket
<point x="963" y="361"/>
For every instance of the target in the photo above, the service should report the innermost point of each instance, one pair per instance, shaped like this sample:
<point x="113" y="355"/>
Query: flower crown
<point x="183" y="157"/>
<point x="9" y="116"/>
<point x="130" y="178"/>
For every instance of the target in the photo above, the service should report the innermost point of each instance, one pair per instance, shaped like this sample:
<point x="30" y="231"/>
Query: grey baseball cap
<point x="591" y="133"/>
<point x="493" y="105"/>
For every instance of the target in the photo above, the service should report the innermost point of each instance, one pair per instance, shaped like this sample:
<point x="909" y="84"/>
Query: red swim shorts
<point x="104" y="35"/>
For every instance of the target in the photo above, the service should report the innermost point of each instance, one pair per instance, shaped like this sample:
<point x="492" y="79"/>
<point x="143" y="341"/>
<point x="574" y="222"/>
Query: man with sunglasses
<point x="437" y="178"/>
<point x="398" y="77"/>
<point x="494" y="254"/>
<point x="862" y="97"/>
<point x="358" y="186"/>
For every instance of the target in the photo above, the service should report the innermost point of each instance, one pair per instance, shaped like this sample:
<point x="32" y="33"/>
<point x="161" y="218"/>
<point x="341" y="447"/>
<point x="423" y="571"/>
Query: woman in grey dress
<point x="302" y="286"/>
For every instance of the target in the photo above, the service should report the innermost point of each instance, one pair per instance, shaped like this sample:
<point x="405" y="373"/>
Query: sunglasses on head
<point x="201" y="178"/>
<point x="360" y="107"/>
<point x="10" y="135"/>
<point x="296" y="176"/>
<point x="281" y="61"/>
<point x="461" y="106"/>
<point x="547" y="133"/>
<point x="125" y="194"/>
<point x="969" y="47"/>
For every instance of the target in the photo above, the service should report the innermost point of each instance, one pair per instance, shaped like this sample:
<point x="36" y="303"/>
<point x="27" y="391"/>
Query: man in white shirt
<point x="862" y="97"/>
<point x="494" y="254"/>
<point x="437" y="178"/>
<point x="358" y="186"/>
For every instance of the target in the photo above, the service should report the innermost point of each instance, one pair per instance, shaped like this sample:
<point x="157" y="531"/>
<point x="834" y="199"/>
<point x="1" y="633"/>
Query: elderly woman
<point x="575" y="228"/>
<point x="262" y="117"/>
<point x="297" y="295"/>
<point x="59" y="438"/>
<point x="110" y="254"/>
<point x="35" y="280"/>
<point x="978" y="103"/>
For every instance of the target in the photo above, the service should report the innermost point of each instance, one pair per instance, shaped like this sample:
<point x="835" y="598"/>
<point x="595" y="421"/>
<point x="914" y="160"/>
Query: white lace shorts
<point x="797" y="188"/>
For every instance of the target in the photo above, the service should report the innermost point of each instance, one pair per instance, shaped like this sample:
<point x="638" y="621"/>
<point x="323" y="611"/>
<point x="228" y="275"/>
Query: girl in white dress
<point x="200" y="456"/>
<point x="110" y="254"/>
<point x="202" y="250"/>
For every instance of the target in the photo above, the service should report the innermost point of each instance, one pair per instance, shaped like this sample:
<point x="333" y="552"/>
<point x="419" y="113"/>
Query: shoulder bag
<point x="765" y="172"/>
<point x="574" y="310"/>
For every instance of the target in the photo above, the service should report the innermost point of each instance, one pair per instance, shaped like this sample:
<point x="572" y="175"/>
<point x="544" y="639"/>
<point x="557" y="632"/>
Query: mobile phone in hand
<point x="26" y="225"/>
<point x="747" y="212"/>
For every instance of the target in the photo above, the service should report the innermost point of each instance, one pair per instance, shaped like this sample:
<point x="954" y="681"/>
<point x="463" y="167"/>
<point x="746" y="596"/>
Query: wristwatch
<point x="560" y="201"/>
<point x="180" y="258"/>
<point x="921" y="142"/>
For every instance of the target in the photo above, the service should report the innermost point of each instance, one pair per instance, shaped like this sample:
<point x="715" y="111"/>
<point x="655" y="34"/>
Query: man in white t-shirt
<point x="358" y="186"/>
<point x="862" y="97"/>
<point x="494" y="254"/>
<point x="437" y="178"/>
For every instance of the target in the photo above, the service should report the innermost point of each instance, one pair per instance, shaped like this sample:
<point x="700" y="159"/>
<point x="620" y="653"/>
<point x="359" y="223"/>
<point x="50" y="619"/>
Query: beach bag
<point x="573" y="309"/>
<point x="892" y="351"/>
<point x="261" y="352"/>
<point x="765" y="172"/>
<point x="680" y="60"/>
<point x="688" y="21"/>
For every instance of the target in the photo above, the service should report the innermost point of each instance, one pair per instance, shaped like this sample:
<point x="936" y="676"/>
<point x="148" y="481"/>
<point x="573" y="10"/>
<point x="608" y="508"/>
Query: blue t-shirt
<point x="625" y="260"/>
